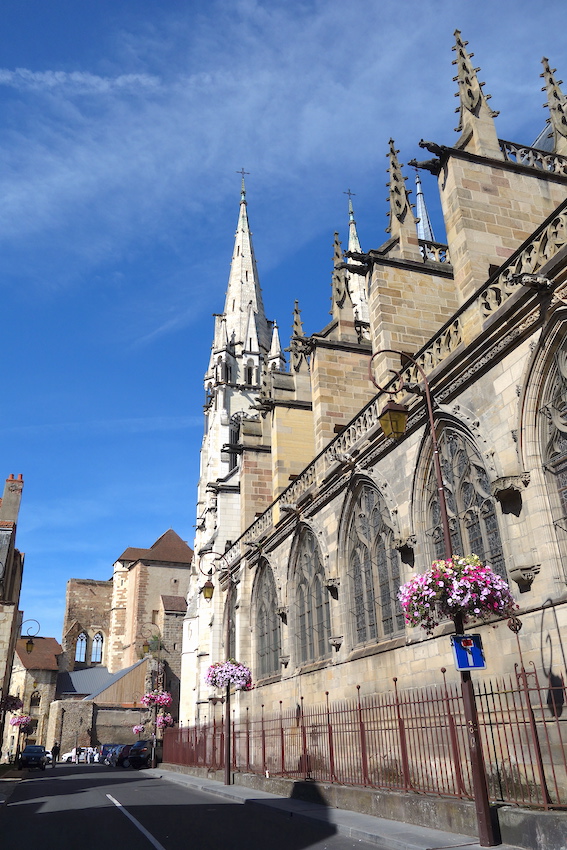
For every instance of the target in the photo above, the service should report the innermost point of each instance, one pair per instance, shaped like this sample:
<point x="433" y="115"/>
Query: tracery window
<point x="96" y="651"/>
<point x="554" y="439"/>
<point x="472" y="510"/>
<point x="268" y="633"/>
<point x="81" y="648"/>
<point x="313" y="618"/>
<point x="230" y="611"/>
<point x="374" y="569"/>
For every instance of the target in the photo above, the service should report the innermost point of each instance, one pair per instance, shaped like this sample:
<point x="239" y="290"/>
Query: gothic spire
<point x="276" y="357"/>
<point x="557" y="105"/>
<point x="353" y="243"/>
<point x="243" y="293"/>
<point x="424" y="228"/>
<point x="402" y="220"/>
<point x="476" y="118"/>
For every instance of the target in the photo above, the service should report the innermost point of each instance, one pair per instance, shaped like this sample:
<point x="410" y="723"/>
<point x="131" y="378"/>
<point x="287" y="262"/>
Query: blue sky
<point x="122" y="126"/>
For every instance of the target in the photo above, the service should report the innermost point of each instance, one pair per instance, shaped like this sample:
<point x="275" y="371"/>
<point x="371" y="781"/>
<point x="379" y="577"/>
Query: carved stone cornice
<point x="524" y="576"/>
<point x="507" y="483"/>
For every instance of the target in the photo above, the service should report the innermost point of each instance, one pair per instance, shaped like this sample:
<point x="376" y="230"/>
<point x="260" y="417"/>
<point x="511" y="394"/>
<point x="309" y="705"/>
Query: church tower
<point x="243" y="342"/>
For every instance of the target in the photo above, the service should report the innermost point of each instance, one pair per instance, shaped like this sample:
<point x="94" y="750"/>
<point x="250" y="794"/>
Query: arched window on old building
<point x="267" y="624"/>
<point x="35" y="702"/>
<point x="373" y="568"/>
<point x="553" y="424"/>
<point x="312" y="614"/>
<point x="96" y="650"/>
<point x="473" y="520"/>
<point x="81" y="648"/>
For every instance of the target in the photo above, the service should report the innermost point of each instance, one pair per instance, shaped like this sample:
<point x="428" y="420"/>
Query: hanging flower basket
<point x="162" y="699"/>
<point x="23" y="721"/>
<point x="164" y="720"/>
<point x="230" y="672"/>
<point x="458" y="585"/>
<point x="11" y="703"/>
<point x="138" y="729"/>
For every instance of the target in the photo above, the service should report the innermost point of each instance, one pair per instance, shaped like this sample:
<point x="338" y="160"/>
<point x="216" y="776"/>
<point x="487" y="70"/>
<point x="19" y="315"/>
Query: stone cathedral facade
<point x="308" y="517"/>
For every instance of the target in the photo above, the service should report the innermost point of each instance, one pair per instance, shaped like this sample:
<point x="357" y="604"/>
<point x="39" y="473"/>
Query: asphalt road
<point x="79" y="807"/>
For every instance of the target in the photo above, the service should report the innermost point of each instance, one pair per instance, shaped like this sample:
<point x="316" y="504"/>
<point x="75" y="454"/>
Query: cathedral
<point x="310" y="517"/>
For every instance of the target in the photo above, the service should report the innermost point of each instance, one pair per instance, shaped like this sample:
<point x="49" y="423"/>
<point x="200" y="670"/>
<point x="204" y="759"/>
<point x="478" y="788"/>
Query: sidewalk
<point x="8" y="782"/>
<point x="385" y="834"/>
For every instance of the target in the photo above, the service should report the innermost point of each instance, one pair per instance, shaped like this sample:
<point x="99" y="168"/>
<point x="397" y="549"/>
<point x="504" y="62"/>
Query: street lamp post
<point x="150" y="632"/>
<point x="207" y="590"/>
<point x="392" y="417"/>
<point x="31" y="633"/>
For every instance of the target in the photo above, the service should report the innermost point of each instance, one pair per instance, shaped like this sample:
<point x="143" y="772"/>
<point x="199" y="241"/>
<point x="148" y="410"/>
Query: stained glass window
<point x="473" y="522"/>
<point x="373" y="566"/>
<point x="313" y="619"/>
<point x="268" y="637"/>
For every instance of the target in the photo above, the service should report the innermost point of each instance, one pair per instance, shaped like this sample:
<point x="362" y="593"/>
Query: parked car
<point x="119" y="757"/>
<point x="111" y="754"/>
<point x="32" y="756"/>
<point x="69" y="757"/>
<point x="141" y="753"/>
<point x="105" y="750"/>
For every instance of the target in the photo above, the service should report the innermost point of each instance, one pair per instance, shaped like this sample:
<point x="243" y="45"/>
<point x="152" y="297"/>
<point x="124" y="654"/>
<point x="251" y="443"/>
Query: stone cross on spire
<point x="476" y="118"/>
<point x="557" y="105"/>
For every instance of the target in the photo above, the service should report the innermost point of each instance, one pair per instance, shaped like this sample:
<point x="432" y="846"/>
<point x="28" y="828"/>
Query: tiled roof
<point x="42" y="657"/>
<point x="169" y="548"/>
<point x="174" y="603"/>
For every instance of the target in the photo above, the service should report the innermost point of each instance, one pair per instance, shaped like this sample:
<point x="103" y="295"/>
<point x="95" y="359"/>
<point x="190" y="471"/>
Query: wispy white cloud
<point x="75" y="82"/>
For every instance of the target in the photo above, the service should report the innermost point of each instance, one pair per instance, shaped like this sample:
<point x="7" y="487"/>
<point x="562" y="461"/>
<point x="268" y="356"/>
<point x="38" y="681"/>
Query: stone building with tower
<point x="308" y="517"/>
<point x="11" y="570"/>
<point x="121" y="638"/>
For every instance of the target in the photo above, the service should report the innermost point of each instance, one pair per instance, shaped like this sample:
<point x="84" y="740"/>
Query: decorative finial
<point x="297" y="346"/>
<point x="557" y="105"/>
<point x="353" y="243"/>
<point x="399" y="195"/>
<point x="470" y="89"/>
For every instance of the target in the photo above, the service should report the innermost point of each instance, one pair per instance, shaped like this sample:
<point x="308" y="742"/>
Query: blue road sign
<point x="468" y="652"/>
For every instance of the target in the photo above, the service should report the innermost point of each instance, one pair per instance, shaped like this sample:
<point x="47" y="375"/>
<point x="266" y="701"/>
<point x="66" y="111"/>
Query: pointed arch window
<point x="374" y="568"/>
<point x="96" y="651"/>
<point x="234" y="439"/>
<point x="554" y="442"/>
<point x="81" y="648"/>
<point x="473" y="521"/>
<point x="230" y="610"/>
<point x="268" y="627"/>
<point x="35" y="701"/>
<point x="313" y="618"/>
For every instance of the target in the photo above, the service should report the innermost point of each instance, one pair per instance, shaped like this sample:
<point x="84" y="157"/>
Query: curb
<point x="384" y="834"/>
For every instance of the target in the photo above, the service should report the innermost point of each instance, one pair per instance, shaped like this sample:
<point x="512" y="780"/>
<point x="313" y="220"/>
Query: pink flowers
<point x="164" y="720"/>
<point x="456" y="586"/>
<point x="21" y="720"/>
<point x="138" y="729"/>
<point x="160" y="698"/>
<point x="230" y="672"/>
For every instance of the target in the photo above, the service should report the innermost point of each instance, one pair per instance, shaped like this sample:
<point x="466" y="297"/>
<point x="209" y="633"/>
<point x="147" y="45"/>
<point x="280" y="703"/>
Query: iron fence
<point x="414" y="740"/>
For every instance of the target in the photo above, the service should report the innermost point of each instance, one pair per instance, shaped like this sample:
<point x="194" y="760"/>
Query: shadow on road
<point x="68" y="809"/>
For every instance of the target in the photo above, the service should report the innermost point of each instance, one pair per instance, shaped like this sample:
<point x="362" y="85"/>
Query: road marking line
<point x="136" y="823"/>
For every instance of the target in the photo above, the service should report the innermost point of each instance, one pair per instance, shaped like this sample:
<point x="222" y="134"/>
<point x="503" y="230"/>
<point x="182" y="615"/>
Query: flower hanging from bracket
<point x="230" y="672"/>
<point x="458" y="585"/>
